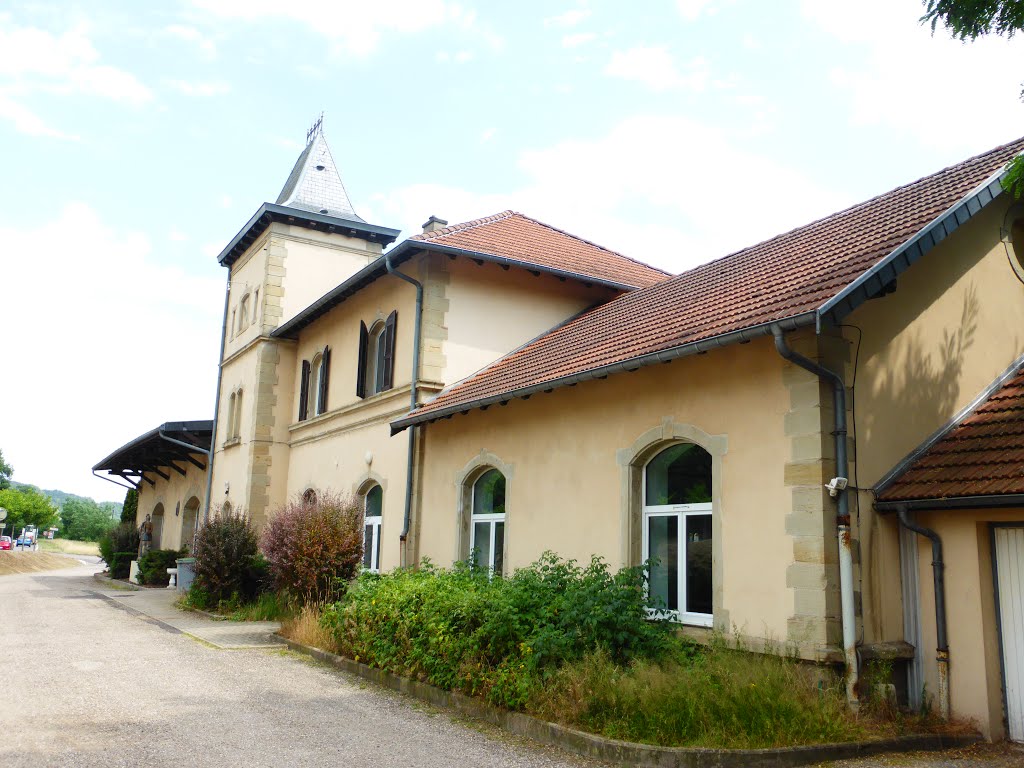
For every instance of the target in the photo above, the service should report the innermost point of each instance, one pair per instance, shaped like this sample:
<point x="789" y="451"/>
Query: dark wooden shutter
<point x="325" y="367"/>
<point x="304" y="391"/>
<point x="389" y="350"/>
<point x="364" y="339"/>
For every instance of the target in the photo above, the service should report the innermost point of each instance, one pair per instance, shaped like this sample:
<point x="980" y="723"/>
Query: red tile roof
<point x="783" y="278"/>
<point x="511" y="235"/>
<point x="981" y="455"/>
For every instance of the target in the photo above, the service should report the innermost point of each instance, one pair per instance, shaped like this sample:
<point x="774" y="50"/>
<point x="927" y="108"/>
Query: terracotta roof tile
<point x="512" y="235"/>
<point x="782" y="278"/>
<point x="982" y="455"/>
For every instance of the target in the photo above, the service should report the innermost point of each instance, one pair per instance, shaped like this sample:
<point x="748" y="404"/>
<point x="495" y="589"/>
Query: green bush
<point x="120" y="540"/>
<point x="120" y="564"/>
<point x="154" y="564"/>
<point x="499" y="638"/>
<point x="315" y="548"/>
<point x="226" y="554"/>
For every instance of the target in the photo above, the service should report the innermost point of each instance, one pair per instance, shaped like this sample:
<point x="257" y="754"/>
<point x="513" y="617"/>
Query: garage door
<point x="1009" y="546"/>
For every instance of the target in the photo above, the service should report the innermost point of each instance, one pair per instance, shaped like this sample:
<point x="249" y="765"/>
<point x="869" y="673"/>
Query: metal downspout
<point x="413" y="394"/>
<point x="842" y="508"/>
<point x="216" y="405"/>
<point x="941" y="641"/>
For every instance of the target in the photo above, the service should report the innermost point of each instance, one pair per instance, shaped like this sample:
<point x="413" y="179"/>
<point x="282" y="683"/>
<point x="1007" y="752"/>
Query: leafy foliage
<point x="499" y="638"/>
<point x="130" y="507"/>
<point x="1014" y="181"/>
<point x="315" y="547"/>
<point x="118" y="547"/>
<point x="6" y="471"/>
<point x="27" y="507"/>
<point x="971" y="19"/>
<point x="227" y="558"/>
<point x="154" y="564"/>
<point x="83" y="519"/>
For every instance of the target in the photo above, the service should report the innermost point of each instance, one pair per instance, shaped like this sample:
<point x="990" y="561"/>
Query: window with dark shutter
<point x="364" y="338"/>
<point x="304" y="391"/>
<point x="325" y="365"/>
<point x="389" y="351"/>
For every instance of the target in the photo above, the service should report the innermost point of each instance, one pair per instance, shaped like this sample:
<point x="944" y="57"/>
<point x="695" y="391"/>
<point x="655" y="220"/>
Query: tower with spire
<point x="290" y="253"/>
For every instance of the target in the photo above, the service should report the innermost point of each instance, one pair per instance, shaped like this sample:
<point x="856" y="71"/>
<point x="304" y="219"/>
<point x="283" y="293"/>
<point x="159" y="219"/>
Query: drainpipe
<point x="413" y="393"/>
<point x="216" y="405"/>
<point x="941" y="641"/>
<point x="837" y="488"/>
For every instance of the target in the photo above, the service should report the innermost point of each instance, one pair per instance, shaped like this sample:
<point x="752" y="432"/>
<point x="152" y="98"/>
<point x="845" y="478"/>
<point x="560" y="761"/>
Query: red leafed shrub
<point x="315" y="546"/>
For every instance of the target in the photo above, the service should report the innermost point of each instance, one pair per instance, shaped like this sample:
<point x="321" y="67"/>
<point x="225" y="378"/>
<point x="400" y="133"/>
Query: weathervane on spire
<point x="315" y="129"/>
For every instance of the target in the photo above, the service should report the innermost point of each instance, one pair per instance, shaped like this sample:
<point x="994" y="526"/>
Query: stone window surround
<point x="464" y="482"/>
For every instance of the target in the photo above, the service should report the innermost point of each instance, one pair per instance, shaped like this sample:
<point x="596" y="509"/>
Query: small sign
<point x="3" y="513"/>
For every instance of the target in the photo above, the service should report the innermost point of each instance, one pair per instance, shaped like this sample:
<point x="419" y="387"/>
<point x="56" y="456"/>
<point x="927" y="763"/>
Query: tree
<point x="971" y="19"/>
<point x="131" y="506"/>
<point x="84" y="519"/>
<point x="6" y="471"/>
<point x="27" y="508"/>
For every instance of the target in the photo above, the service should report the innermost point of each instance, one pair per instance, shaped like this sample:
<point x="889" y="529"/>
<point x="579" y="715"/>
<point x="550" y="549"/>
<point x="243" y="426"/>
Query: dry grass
<point x="70" y="547"/>
<point x="305" y="628"/>
<point x="30" y="562"/>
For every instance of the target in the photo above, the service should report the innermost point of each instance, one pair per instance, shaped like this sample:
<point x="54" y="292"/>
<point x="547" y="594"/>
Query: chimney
<point x="433" y="224"/>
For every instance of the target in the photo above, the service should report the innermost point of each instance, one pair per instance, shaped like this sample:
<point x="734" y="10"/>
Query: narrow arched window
<point x="677" y="532"/>
<point x="376" y="370"/>
<point x="189" y="521"/>
<point x="243" y="313"/>
<point x="373" y="514"/>
<point x="231" y="416"/>
<point x="487" y="529"/>
<point x="157" y="520"/>
<point x="309" y="497"/>
<point x="237" y="416"/>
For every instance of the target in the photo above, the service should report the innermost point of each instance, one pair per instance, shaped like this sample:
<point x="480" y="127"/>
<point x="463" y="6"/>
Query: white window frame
<point x="374" y="521"/>
<point x="492" y="518"/>
<point x="683" y="512"/>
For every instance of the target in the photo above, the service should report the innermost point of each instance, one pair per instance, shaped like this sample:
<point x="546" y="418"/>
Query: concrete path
<point x="87" y="683"/>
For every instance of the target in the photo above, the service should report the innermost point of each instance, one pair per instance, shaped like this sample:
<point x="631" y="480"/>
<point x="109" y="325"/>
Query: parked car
<point x="5" y="542"/>
<point x="20" y="542"/>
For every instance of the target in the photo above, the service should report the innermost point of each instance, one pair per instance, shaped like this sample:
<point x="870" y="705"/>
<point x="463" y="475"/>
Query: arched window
<point x="373" y="512"/>
<point x="256" y="306"/>
<point x="231" y="416"/>
<point x="376" y="372"/>
<point x="189" y="521"/>
<point x="313" y="385"/>
<point x="243" y="313"/>
<point x="225" y="509"/>
<point x="677" y="532"/>
<point x="309" y="497"/>
<point x="158" y="525"/>
<point x="487" y="530"/>
<point x="313" y="393"/>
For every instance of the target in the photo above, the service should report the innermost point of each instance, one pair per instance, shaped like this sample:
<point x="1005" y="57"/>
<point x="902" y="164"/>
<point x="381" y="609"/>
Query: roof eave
<point x="872" y="282"/>
<point x="953" y="502"/>
<point x="631" y="364"/>
<point x="269" y="212"/>
<point x="177" y="427"/>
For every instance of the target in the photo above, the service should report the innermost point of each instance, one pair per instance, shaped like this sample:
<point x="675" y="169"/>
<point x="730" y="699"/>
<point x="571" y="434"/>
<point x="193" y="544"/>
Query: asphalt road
<point x="90" y="685"/>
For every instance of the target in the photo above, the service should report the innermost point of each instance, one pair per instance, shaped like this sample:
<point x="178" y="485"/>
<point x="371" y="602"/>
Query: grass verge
<point x="32" y="562"/>
<point x="69" y="546"/>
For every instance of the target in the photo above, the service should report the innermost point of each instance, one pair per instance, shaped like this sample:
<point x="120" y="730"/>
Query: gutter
<point x="837" y="488"/>
<point x="941" y="641"/>
<point x="663" y="356"/>
<point x="413" y="393"/>
<point x="216" y="405"/>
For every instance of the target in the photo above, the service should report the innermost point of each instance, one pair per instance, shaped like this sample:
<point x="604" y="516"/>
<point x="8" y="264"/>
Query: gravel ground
<point x="93" y="686"/>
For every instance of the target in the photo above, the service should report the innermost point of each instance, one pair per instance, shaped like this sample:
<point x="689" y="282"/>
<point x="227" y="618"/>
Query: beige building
<point x="500" y="388"/>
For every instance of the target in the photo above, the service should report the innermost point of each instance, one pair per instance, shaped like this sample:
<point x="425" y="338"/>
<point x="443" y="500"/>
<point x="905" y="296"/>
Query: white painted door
<point x="1009" y="545"/>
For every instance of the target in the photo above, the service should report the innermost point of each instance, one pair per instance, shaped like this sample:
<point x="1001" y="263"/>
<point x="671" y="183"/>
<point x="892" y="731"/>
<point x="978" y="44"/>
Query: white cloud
<point x="177" y="236"/>
<point x="702" y="194"/>
<point x="577" y="39"/>
<point x="192" y="35"/>
<point x="568" y="19"/>
<point x="28" y="122"/>
<point x="691" y="10"/>
<point x="96" y="309"/>
<point x="907" y="77"/>
<point x="656" y="68"/>
<point x="199" y="89"/>
<point x="355" y="28"/>
<point x="487" y="135"/>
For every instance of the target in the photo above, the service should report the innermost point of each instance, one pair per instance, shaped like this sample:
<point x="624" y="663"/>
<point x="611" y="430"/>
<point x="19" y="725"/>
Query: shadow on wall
<point x="919" y="387"/>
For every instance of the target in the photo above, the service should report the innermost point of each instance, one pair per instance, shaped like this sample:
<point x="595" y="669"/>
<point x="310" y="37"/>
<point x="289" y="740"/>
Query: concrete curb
<point x="630" y="753"/>
<point x="102" y="578"/>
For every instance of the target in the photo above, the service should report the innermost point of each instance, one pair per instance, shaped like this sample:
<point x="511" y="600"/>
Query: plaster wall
<point x="173" y="494"/>
<point x="563" y="454"/>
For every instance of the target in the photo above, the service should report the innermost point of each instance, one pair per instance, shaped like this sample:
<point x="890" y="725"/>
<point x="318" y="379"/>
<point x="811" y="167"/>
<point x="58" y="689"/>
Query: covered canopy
<point x="169" y="446"/>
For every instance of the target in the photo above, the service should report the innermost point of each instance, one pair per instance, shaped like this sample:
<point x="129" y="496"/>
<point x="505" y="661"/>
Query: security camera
<point x="836" y="484"/>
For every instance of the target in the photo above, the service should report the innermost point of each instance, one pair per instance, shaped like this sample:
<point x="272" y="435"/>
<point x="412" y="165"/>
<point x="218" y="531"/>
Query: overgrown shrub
<point x="116" y="545"/>
<point x="130" y="507"/>
<point x="226" y="553"/>
<point x="500" y="638"/>
<point x="154" y="564"/>
<point x="315" y="547"/>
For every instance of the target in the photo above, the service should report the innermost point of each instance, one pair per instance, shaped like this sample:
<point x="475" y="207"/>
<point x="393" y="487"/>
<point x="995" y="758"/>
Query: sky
<point x="136" y="139"/>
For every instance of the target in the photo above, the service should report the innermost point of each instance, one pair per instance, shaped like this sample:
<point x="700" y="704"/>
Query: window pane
<point x="489" y="494"/>
<point x="681" y="474"/>
<point x="499" y="547"/>
<point x="378" y="370"/>
<point x="376" y="536"/>
<point x="663" y="547"/>
<point x="367" y="546"/>
<point x="374" y="501"/>
<point x="482" y="544"/>
<point x="698" y="563"/>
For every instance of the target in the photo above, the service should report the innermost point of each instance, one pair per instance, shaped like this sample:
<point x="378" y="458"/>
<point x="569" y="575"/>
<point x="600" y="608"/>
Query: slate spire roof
<point x="315" y="185"/>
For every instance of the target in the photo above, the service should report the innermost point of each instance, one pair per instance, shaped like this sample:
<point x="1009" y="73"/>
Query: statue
<point x="145" y="536"/>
